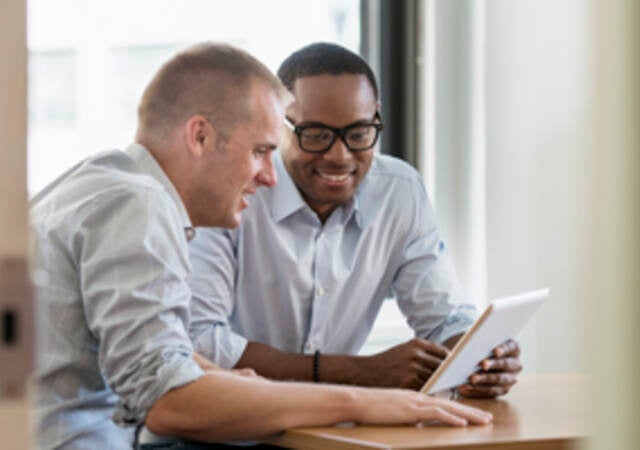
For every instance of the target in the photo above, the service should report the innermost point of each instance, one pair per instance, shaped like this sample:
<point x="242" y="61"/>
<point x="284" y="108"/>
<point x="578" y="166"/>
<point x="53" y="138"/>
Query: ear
<point x="199" y="135"/>
<point x="292" y="109"/>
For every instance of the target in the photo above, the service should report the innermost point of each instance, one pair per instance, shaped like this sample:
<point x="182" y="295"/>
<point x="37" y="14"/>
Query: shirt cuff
<point x="458" y="322"/>
<point x="219" y="344"/>
<point x="171" y="371"/>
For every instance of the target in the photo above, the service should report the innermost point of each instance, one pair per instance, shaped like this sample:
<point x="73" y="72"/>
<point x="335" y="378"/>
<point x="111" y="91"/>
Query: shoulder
<point x="116" y="173"/>
<point x="105" y="184"/>
<point x="393" y="196"/>
<point x="393" y="177"/>
<point x="386" y="165"/>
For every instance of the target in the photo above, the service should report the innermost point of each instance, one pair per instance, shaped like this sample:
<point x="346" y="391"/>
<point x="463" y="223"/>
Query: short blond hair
<point x="211" y="79"/>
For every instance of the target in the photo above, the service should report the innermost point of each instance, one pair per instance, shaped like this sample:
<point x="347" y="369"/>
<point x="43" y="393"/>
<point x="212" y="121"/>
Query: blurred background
<point x="490" y="100"/>
<point x="521" y="116"/>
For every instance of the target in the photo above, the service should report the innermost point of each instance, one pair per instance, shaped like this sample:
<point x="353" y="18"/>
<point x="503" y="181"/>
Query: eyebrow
<point x="307" y="123"/>
<point x="268" y="145"/>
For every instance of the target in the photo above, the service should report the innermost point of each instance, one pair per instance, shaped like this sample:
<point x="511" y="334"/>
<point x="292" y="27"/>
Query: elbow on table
<point x="160" y="421"/>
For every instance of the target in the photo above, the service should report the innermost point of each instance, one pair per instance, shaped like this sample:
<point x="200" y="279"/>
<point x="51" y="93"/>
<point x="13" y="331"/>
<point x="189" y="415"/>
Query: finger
<point x="444" y="416"/>
<point x="469" y="413"/>
<point x="464" y="388"/>
<point x="427" y="360"/>
<point x="412" y="381"/>
<point x="247" y="372"/>
<point x="480" y="391"/>
<point x="501" y="364"/>
<point x="437" y="350"/>
<point x="423" y="373"/>
<point x="516" y="350"/>
<point x="493" y="379"/>
<point x="508" y="348"/>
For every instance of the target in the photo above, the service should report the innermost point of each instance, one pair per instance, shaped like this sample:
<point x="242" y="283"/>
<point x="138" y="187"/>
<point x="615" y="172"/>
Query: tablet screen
<point x="500" y="321"/>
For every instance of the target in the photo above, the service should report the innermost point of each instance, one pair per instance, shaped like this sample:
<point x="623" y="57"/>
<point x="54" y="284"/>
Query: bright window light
<point x="90" y="60"/>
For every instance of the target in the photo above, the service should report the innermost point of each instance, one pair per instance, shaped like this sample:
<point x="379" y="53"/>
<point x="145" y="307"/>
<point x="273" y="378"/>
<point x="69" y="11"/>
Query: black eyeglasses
<point x="318" y="137"/>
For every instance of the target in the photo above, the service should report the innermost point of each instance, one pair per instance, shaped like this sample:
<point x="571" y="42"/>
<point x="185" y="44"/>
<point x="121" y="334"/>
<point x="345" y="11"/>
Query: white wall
<point x="538" y="120"/>
<point x="456" y="175"/>
<point x="614" y="262"/>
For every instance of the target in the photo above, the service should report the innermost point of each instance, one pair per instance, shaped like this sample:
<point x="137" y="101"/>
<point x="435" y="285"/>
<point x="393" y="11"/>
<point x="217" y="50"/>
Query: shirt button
<point x="320" y="292"/>
<point x="308" y="347"/>
<point x="321" y="236"/>
<point x="190" y="233"/>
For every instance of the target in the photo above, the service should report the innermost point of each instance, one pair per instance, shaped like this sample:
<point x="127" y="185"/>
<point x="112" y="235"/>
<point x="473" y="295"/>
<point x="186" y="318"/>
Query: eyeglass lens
<point x="321" y="138"/>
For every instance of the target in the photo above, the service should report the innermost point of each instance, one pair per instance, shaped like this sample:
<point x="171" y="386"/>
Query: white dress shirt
<point x="110" y="272"/>
<point x="285" y="279"/>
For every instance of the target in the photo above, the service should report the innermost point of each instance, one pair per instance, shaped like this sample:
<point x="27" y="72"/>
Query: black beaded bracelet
<point x="316" y="366"/>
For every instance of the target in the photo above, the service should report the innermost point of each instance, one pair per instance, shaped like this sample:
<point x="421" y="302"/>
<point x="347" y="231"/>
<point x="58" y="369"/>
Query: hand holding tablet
<point x="496" y="373"/>
<point x="487" y="348"/>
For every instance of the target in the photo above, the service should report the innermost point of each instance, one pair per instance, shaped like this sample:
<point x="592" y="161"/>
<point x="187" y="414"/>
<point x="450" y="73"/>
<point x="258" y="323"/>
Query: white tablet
<point x="501" y="320"/>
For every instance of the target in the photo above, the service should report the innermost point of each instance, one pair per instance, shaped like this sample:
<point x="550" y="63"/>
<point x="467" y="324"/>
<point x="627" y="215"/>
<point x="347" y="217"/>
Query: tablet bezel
<point x="539" y="295"/>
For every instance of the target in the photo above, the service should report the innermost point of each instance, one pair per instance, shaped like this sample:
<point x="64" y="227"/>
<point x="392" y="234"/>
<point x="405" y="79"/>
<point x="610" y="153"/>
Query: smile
<point x="334" y="178"/>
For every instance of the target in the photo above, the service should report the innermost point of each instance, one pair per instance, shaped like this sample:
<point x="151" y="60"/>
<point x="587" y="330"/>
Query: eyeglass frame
<point x="337" y="133"/>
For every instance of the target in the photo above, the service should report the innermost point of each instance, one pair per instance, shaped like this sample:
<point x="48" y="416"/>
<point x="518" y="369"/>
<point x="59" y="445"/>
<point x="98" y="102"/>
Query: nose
<point x="267" y="175"/>
<point x="338" y="152"/>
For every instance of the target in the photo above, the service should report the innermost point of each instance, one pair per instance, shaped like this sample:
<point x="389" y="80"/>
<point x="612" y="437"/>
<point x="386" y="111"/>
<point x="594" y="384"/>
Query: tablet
<point x="501" y="320"/>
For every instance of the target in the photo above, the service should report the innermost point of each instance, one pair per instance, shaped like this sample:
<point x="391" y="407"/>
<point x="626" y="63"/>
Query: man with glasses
<point x="112" y="264"/>
<point x="294" y="291"/>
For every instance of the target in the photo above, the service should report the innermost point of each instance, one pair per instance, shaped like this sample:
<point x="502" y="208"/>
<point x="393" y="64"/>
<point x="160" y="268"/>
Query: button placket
<point x="322" y="272"/>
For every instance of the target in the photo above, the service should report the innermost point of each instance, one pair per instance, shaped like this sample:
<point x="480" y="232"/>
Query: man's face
<point x="329" y="179"/>
<point x="234" y="170"/>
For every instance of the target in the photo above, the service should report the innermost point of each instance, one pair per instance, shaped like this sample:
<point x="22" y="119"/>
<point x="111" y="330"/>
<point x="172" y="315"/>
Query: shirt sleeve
<point x="426" y="285"/>
<point x="133" y="267"/>
<point x="214" y="262"/>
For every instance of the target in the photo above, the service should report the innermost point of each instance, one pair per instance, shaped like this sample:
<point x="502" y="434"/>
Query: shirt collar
<point x="148" y="163"/>
<point x="286" y="197"/>
<point x="352" y="210"/>
<point x="288" y="200"/>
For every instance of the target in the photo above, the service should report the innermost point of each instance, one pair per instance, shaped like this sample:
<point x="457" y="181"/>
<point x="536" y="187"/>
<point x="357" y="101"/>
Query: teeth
<point x="334" y="177"/>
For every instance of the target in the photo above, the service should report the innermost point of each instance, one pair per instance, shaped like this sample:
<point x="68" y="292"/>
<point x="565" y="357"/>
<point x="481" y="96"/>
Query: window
<point x="89" y="61"/>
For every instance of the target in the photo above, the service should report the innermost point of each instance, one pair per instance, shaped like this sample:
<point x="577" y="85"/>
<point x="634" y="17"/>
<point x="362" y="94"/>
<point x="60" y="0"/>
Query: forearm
<point x="278" y="365"/>
<point x="222" y="406"/>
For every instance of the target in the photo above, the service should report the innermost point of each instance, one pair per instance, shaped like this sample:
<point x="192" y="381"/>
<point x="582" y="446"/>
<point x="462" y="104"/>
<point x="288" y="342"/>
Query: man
<point x="112" y="264"/>
<point x="293" y="292"/>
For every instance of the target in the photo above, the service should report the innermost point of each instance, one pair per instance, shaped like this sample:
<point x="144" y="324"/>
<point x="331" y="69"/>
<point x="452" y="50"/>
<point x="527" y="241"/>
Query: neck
<point x="175" y="171"/>
<point x="322" y="210"/>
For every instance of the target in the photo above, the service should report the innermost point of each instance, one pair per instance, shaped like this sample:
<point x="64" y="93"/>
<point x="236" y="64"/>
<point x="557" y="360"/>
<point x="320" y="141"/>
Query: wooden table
<point x="546" y="412"/>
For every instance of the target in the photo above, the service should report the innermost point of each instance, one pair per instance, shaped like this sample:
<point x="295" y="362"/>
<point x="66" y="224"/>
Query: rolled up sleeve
<point x="212" y="284"/>
<point x="134" y="266"/>
<point x="426" y="285"/>
<point x="218" y="343"/>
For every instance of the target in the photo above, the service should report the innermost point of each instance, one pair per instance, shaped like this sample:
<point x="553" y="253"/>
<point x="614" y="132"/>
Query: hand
<point x="407" y="365"/>
<point x="402" y="407"/>
<point x="497" y="373"/>
<point x="246" y="372"/>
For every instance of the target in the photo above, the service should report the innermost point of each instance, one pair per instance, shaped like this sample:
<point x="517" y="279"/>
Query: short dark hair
<point x="323" y="58"/>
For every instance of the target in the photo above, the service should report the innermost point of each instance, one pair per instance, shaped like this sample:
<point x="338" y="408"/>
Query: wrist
<point x="354" y="404"/>
<point x="356" y="370"/>
<point x="340" y="369"/>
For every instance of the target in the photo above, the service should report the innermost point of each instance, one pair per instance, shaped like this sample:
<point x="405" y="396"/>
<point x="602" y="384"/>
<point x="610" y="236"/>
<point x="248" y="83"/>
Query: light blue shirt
<point x="284" y="279"/>
<point x="110" y="270"/>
